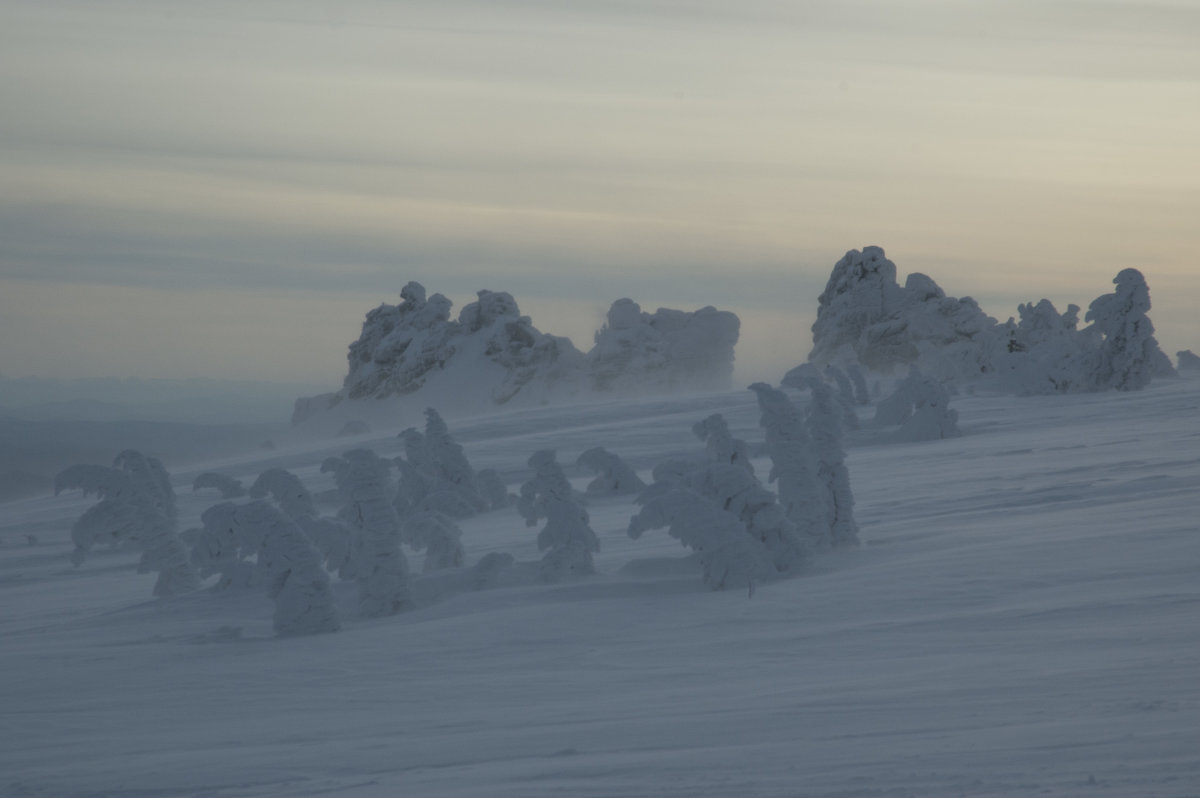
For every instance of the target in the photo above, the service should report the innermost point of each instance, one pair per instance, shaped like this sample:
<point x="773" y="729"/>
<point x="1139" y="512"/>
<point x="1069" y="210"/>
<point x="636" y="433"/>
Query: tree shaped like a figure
<point x="567" y="538"/>
<point x="132" y="509"/>
<point x="1129" y="355"/>
<point x="373" y="557"/>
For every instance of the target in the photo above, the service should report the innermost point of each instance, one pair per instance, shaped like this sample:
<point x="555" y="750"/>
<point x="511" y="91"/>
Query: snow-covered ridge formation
<point x="866" y="317"/>
<point x="492" y="355"/>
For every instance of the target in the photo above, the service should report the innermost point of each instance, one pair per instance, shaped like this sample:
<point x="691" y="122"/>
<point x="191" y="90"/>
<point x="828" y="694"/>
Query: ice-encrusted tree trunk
<point x="131" y="510"/>
<point x="1129" y="355"/>
<point x="287" y="490"/>
<point x="380" y="567"/>
<point x="794" y="466"/>
<point x="614" y="476"/>
<point x="720" y="444"/>
<point x="567" y="538"/>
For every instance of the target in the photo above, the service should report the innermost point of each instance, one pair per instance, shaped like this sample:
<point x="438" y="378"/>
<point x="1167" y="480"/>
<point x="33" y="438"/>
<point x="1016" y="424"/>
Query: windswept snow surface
<point x="1021" y="619"/>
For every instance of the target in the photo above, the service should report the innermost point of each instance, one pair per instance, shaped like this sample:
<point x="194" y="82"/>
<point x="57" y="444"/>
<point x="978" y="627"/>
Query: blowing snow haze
<point x="222" y="189"/>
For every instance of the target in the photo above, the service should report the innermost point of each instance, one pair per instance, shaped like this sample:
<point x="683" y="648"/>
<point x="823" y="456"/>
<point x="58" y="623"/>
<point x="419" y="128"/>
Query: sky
<point x="224" y="189"/>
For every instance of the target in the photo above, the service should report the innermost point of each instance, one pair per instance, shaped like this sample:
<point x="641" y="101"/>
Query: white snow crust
<point x="1020" y="620"/>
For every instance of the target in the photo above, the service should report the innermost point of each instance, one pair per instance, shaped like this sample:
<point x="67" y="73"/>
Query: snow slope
<point x="1021" y="620"/>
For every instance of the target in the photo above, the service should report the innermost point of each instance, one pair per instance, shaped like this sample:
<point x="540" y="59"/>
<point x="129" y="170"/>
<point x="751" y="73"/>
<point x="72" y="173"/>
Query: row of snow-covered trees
<point x="272" y="536"/>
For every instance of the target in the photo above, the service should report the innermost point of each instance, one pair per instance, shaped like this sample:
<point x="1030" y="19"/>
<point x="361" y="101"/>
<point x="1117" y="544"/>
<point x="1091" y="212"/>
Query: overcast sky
<point x="223" y="189"/>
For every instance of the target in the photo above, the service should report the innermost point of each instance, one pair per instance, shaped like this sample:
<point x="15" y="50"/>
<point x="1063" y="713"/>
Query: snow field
<point x="1020" y="620"/>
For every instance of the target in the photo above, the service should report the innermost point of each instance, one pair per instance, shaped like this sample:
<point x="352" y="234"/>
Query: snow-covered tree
<point x="438" y="536"/>
<point x="435" y="474"/>
<point x="920" y="405"/>
<point x="287" y="490"/>
<point x="614" y="476"/>
<point x="227" y="486"/>
<point x="825" y="430"/>
<point x="493" y="489"/>
<point x="728" y="557"/>
<point x="567" y="539"/>
<point x="447" y="462"/>
<point x="151" y="478"/>
<point x="804" y="376"/>
<point x="132" y="510"/>
<point x="861" y="395"/>
<point x="256" y="545"/>
<point x="1129" y="355"/>
<point x="720" y="444"/>
<point x="216" y="547"/>
<point x="794" y="466"/>
<point x="291" y="571"/>
<point x="762" y="519"/>
<point x="379" y="566"/>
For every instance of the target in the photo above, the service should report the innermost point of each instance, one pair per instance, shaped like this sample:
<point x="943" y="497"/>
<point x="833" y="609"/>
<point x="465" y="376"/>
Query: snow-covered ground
<point x="1023" y="618"/>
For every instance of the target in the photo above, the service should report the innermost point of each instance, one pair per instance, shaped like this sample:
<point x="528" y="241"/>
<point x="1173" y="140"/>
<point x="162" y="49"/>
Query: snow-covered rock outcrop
<point x="864" y="315"/>
<point x="664" y="350"/>
<point x="492" y="355"/>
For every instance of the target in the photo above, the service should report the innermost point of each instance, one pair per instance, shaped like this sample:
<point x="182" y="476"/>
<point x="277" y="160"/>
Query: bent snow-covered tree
<point x="794" y="466"/>
<point x="493" y="489"/>
<point x="287" y="490"/>
<point x="438" y="536"/>
<point x="216" y="547"/>
<point x="614" y="477"/>
<point x="290" y="569"/>
<point x="256" y="545"/>
<point x="720" y="444"/>
<point x="447" y="462"/>
<point x="1129" y="355"/>
<point x="728" y="557"/>
<point x="920" y="405"/>
<point x="131" y="511"/>
<point x="567" y="538"/>
<point x="379" y="566"/>
<point x="227" y="486"/>
<point x="825" y="429"/>
<point x="435" y="475"/>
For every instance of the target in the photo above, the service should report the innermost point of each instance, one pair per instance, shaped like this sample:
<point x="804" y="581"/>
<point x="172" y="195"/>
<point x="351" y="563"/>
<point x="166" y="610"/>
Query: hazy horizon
<point x="224" y="190"/>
